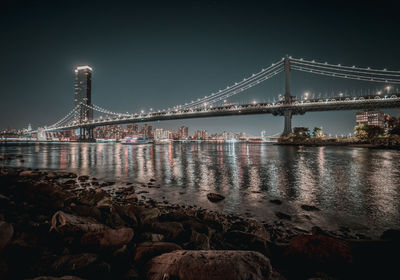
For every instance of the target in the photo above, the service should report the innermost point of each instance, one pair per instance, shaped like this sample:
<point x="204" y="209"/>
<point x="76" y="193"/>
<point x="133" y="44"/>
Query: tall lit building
<point x="183" y="132"/>
<point x="375" y="118"/>
<point x="83" y="97"/>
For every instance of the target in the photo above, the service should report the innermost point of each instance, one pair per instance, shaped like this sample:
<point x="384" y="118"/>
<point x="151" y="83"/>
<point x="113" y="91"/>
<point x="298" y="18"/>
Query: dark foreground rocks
<point x="215" y="197"/>
<point x="209" y="265"/>
<point x="64" y="226"/>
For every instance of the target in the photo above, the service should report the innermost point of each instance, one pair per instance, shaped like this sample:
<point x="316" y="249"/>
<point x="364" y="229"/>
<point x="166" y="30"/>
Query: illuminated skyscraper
<point x="83" y="97"/>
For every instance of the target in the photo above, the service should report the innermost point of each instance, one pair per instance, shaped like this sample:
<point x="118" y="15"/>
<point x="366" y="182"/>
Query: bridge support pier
<point x="288" y="123"/>
<point x="86" y="134"/>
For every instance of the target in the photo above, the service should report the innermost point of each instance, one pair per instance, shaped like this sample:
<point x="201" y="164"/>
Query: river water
<point x="353" y="187"/>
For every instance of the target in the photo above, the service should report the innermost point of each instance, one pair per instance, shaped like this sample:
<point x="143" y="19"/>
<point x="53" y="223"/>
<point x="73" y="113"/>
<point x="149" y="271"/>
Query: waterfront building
<point x="183" y="132"/>
<point x="109" y="132"/>
<point x="131" y="129"/>
<point x="161" y="134"/>
<point x="375" y="118"/>
<point x="147" y="131"/>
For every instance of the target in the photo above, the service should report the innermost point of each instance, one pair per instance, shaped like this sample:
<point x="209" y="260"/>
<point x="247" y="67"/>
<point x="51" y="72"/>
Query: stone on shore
<point x="107" y="239"/>
<point x="172" y="231"/>
<point x="214" y="197"/>
<point x="309" y="207"/>
<point x="144" y="215"/>
<point x="6" y="233"/>
<point x="209" y="265"/>
<point x="148" y="250"/>
<point x="64" y="223"/>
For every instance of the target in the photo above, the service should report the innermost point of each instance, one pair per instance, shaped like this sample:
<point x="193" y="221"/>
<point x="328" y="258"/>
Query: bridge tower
<point x="288" y="98"/>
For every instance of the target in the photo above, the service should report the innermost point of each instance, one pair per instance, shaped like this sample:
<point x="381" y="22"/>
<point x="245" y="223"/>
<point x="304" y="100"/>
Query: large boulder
<point x="209" y="265"/>
<point x="144" y="215"/>
<point x="148" y="250"/>
<point x="107" y="239"/>
<point x="6" y="233"/>
<point x="64" y="223"/>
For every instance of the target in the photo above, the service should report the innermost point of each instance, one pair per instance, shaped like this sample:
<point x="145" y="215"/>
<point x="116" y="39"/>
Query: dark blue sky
<point x="162" y="53"/>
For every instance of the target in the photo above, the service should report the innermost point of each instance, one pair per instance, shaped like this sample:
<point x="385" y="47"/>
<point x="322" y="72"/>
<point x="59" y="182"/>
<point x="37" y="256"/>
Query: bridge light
<point x="379" y="92"/>
<point x="388" y="88"/>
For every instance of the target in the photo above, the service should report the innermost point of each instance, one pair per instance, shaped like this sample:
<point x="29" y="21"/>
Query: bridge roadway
<point x="276" y="109"/>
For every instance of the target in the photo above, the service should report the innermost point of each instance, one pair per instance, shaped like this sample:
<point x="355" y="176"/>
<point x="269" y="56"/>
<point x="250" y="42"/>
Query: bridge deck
<point x="297" y="107"/>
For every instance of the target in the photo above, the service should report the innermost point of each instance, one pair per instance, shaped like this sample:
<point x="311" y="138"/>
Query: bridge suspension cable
<point x="246" y="83"/>
<point x="65" y="118"/>
<point x="368" y="69"/>
<point x="346" y="72"/>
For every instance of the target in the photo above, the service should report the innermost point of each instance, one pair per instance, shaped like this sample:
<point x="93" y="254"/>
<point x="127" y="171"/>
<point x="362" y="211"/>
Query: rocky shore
<point x="65" y="226"/>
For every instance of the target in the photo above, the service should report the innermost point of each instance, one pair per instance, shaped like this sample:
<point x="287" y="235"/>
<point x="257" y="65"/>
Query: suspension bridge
<point x="214" y="104"/>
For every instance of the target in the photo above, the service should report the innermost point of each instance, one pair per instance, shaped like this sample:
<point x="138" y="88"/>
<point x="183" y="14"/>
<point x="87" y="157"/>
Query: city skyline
<point x="125" y="82"/>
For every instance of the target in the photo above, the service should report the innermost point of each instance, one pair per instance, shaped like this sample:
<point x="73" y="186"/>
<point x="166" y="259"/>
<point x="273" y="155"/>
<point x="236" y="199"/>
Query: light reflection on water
<point x="343" y="181"/>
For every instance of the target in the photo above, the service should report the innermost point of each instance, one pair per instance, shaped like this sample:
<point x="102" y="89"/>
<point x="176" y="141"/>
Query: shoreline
<point x="340" y="144"/>
<point x="66" y="221"/>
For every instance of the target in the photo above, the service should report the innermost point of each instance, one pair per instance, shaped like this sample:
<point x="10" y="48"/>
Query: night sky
<point x="157" y="54"/>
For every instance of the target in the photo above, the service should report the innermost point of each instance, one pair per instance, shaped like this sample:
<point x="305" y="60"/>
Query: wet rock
<point x="148" y="250"/>
<point x="199" y="241"/>
<point x="214" y="197"/>
<point x="210" y="265"/>
<point x="319" y="249"/>
<point x="131" y="196"/>
<point x="67" y="175"/>
<point x="237" y="240"/>
<point x="66" y="224"/>
<point x="153" y="237"/>
<point x="93" y="197"/>
<point x="29" y="173"/>
<point x="144" y="215"/>
<point x="107" y="239"/>
<point x="213" y="220"/>
<point x="194" y="225"/>
<point x="251" y="226"/>
<point x="83" y="178"/>
<point x="6" y="233"/>
<point x="276" y="201"/>
<point x="391" y="234"/>
<point x="309" y="207"/>
<point x="70" y="182"/>
<point x="141" y="192"/>
<point x="283" y="216"/>
<point x="317" y="230"/>
<point x="171" y="230"/>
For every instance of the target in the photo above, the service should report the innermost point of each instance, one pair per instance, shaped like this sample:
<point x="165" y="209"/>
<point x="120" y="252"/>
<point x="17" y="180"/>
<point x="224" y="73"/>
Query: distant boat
<point x="162" y="141"/>
<point x="136" y="141"/>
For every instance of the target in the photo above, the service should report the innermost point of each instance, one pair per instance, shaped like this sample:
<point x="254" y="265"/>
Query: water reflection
<point x="346" y="181"/>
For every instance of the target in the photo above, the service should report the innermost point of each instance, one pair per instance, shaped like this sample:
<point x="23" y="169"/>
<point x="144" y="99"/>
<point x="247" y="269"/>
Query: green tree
<point x="301" y="131"/>
<point x="317" y="132"/>
<point x="360" y="132"/>
<point x="374" y="131"/>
